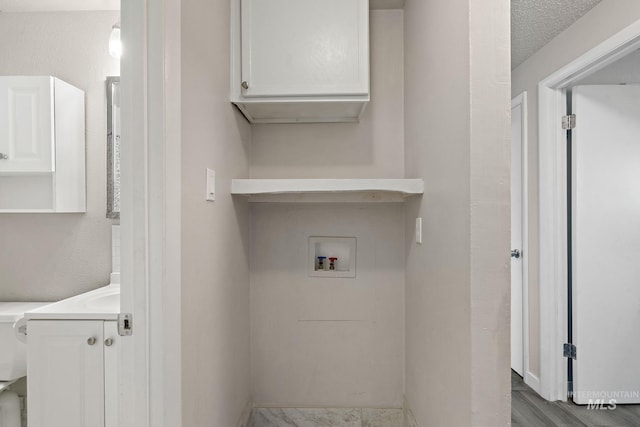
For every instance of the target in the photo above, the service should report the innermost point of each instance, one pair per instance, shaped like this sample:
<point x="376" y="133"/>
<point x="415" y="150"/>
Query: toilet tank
<point x="13" y="353"/>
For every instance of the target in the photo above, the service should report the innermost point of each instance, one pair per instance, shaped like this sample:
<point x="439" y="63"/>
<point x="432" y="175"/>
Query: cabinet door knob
<point x="108" y="342"/>
<point x="245" y="85"/>
<point x="4" y="156"/>
<point x="91" y="340"/>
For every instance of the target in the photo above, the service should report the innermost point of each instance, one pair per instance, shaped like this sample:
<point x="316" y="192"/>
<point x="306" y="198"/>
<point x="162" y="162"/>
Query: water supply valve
<point x="321" y="260"/>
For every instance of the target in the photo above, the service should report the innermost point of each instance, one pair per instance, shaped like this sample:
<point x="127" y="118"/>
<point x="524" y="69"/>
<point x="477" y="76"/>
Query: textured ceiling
<point x="535" y="22"/>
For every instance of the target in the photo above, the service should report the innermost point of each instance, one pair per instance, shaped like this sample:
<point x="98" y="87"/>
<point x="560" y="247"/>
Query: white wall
<point x="327" y="341"/>
<point x="373" y="148"/>
<point x="457" y="295"/>
<point x="215" y="235"/>
<point x="47" y="257"/>
<point x="457" y="281"/>
<point x="624" y="70"/>
<point x="333" y="362"/>
<point x="602" y="22"/>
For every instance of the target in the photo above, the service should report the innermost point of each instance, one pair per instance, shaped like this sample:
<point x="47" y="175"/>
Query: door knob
<point x="91" y="340"/>
<point x="245" y="85"/>
<point x="4" y="156"/>
<point x="108" y="342"/>
<point x="515" y="253"/>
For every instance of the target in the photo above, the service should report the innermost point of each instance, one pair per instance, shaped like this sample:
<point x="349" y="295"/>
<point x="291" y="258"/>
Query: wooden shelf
<point x="327" y="190"/>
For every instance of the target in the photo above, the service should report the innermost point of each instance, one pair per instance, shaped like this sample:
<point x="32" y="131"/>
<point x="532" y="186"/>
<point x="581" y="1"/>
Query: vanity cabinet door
<point x="65" y="373"/>
<point x="112" y="352"/>
<point x="304" y="48"/>
<point x="26" y="124"/>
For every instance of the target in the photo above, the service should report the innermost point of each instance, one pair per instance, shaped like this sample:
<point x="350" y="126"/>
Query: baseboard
<point x="245" y="418"/>
<point x="532" y="381"/>
<point x="409" y="418"/>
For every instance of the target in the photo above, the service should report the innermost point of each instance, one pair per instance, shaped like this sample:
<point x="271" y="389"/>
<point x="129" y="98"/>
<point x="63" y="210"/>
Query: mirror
<point x="113" y="147"/>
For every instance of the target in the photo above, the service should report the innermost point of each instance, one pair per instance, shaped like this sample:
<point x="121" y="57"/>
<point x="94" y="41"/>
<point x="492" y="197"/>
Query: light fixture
<point x="115" y="44"/>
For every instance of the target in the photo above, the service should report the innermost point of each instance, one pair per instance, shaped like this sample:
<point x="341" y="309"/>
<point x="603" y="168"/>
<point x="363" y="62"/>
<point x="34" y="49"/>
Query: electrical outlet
<point x="419" y="231"/>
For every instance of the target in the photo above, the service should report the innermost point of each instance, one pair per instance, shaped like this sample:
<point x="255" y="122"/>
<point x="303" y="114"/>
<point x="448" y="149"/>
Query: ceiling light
<point x="115" y="44"/>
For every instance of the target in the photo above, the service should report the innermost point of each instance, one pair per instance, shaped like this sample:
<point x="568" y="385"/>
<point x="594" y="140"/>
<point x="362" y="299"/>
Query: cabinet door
<point x="111" y="368"/>
<point x="65" y="375"/>
<point x="305" y="47"/>
<point x="26" y="124"/>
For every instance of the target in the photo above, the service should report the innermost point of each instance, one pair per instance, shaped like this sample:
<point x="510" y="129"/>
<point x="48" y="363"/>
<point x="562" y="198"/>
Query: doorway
<point x="150" y="379"/>
<point x="554" y="217"/>
<point x="519" y="248"/>
<point x="604" y="177"/>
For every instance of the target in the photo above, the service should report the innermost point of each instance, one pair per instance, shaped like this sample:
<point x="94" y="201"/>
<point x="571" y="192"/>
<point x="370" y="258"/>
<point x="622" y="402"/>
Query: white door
<point x="305" y="47"/>
<point x="26" y="124"/>
<point x="65" y="373"/>
<point x="606" y="243"/>
<point x="517" y="341"/>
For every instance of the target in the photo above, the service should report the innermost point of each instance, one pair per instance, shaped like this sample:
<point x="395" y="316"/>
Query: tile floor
<point x="528" y="409"/>
<point x="326" y="417"/>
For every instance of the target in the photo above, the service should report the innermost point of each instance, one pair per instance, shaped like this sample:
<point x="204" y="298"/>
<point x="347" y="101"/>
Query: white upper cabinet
<point x="26" y="125"/>
<point x="42" y="145"/>
<point x="305" y="48"/>
<point x="300" y="60"/>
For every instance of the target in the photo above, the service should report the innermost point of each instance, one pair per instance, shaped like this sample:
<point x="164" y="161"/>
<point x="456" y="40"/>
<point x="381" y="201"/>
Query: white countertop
<point x="5" y="384"/>
<point x="100" y="304"/>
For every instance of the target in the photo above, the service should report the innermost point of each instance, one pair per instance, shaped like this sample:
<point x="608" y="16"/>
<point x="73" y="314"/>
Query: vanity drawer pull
<point x="91" y="340"/>
<point x="108" y="342"/>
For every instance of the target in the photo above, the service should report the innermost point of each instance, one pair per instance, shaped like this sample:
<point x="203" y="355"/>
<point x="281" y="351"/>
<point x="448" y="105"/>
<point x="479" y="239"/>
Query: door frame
<point x="553" y="202"/>
<point x="151" y="366"/>
<point x="521" y="100"/>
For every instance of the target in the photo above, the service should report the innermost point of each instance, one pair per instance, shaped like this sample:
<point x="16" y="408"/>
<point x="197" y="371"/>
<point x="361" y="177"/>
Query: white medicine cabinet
<point x="300" y="60"/>
<point x="42" y="145"/>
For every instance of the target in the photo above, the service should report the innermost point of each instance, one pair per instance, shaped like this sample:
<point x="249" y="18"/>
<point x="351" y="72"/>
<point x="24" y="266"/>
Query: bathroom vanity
<point x="72" y="361"/>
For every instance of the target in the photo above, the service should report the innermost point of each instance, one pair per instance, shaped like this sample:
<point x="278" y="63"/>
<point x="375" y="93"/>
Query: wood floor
<point x="528" y="409"/>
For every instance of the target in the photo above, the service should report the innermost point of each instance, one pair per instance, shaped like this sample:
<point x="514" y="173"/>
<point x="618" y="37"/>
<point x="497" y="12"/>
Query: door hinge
<point x="125" y="324"/>
<point x="569" y="350"/>
<point x="569" y="122"/>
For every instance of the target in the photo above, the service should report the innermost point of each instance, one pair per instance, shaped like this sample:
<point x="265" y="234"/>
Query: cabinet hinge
<point x="125" y="324"/>
<point x="569" y="350"/>
<point x="569" y="122"/>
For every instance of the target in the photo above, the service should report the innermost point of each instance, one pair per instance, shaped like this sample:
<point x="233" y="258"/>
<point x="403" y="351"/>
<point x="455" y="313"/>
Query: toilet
<point x="13" y="359"/>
